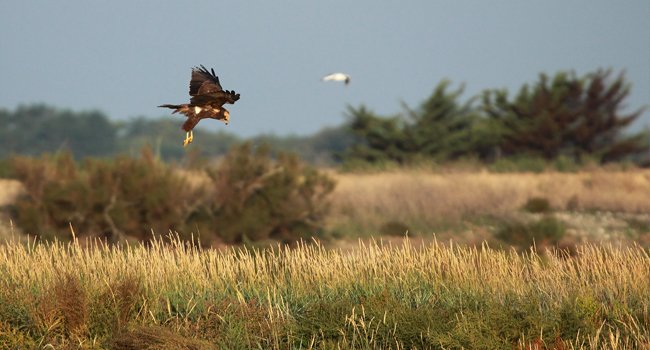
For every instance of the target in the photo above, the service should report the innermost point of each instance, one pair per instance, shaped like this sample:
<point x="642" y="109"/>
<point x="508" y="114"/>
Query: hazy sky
<point x="126" y="57"/>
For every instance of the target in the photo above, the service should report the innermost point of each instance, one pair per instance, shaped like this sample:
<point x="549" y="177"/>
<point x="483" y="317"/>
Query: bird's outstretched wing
<point x="215" y="99"/>
<point x="206" y="89"/>
<point x="204" y="81"/>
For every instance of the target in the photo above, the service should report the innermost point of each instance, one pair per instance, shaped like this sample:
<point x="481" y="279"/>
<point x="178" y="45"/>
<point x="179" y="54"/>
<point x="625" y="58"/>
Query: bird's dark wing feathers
<point x="204" y="81"/>
<point x="215" y="99"/>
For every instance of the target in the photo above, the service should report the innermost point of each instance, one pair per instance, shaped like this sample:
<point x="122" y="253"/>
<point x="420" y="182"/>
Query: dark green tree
<point x="379" y="139"/>
<point x="566" y="115"/>
<point x="441" y="129"/>
<point x="32" y="130"/>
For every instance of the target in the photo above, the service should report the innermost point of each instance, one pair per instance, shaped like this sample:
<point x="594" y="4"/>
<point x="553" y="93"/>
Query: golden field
<point x="414" y="194"/>
<point x="427" y="202"/>
<point x="176" y="296"/>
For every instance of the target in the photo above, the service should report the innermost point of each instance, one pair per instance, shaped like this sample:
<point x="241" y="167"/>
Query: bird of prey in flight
<point x="337" y="77"/>
<point x="207" y="98"/>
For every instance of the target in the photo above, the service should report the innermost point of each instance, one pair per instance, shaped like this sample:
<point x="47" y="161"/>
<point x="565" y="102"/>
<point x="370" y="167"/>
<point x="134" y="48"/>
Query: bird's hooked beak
<point x="226" y="116"/>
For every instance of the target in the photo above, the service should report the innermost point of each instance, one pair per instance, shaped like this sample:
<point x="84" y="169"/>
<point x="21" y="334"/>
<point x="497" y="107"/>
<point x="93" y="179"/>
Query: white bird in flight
<point x="337" y="77"/>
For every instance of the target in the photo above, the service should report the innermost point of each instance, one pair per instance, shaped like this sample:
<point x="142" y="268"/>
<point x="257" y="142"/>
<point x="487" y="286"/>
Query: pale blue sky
<point x="125" y="58"/>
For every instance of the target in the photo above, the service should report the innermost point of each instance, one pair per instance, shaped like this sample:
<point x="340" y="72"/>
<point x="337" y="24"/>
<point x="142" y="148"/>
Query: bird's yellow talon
<point x="188" y="139"/>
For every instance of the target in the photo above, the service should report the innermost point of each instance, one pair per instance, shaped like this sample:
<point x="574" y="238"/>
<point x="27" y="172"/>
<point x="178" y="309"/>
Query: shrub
<point x="573" y="204"/>
<point x="105" y="198"/>
<point x="394" y="228"/>
<point x="543" y="232"/>
<point x="537" y="205"/>
<point x="249" y="196"/>
<point x="254" y="197"/>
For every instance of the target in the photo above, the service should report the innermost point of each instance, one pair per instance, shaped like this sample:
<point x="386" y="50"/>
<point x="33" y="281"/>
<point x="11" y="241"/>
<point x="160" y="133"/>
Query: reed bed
<point x="168" y="294"/>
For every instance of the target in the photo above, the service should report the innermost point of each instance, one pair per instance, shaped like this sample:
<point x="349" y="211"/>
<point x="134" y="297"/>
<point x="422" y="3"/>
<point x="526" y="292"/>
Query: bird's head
<point x="226" y="116"/>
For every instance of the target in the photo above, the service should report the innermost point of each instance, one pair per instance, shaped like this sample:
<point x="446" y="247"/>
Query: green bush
<point x="248" y="197"/>
<point x="394" y="228"/>
<point x="537" y="205"/>
<point x="543" y="232"/>
<point x="102" y="198"/>
<point x="254" y="197"/>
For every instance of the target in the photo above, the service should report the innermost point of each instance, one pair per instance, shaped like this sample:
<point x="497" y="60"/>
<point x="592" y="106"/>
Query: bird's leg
<point x="191" y="135"/>
<point x="187" y="140"/>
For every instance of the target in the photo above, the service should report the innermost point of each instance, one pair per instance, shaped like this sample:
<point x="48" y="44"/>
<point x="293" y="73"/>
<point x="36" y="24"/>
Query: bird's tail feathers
<point x="176" y="108"/>
<point x="171" y="106"/>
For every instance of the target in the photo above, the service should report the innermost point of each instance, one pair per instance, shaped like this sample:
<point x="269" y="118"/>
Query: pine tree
<point x="566" y="115"/>
<point x="440" y="129"/>
<point x="379" y="139"/>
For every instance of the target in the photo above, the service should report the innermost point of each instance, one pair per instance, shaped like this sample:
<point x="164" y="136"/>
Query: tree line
<point x="559" y="116"/>
<point x="563" y="115"/>
<point x="35" y="129"/>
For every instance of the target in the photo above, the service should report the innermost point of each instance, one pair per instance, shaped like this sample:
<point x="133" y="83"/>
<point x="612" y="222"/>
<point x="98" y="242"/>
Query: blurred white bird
<point x="337" y="77"/>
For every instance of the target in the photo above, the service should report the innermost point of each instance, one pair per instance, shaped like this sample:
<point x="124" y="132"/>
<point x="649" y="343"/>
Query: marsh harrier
<point x="207" y="98"/>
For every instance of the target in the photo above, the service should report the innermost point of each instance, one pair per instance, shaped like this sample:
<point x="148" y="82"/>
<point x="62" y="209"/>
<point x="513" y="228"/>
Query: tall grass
<point x="425" y="200"/>
<point x="175" y="295"/>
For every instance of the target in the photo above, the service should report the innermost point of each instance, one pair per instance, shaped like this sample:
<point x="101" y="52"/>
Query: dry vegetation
<point x="413" y="295"/>
<point x="164" y="296"/>
<point x="9" y="191"/>
<point x="469" y="206"/>
<point x="425" y="200"/>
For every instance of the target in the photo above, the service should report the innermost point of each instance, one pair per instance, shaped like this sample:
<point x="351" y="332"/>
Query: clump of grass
<point x="116" y="304"/>
<point x="537" y="205"/>
<point x="544" y="232"/>
<point x="642" y="226"/>
<point x="156" y="338"/>
<point x="70" y="303"/>
<point x="394" y="228"/>
<point x="377" y="296"/>
<point x="573" y="203"/>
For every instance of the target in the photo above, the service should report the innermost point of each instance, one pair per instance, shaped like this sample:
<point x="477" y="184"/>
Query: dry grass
<point x="425" y="199"/>
<point x="466" y="205"/>
<point x="9" y="191"/>
<point x="375" y="296"/>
